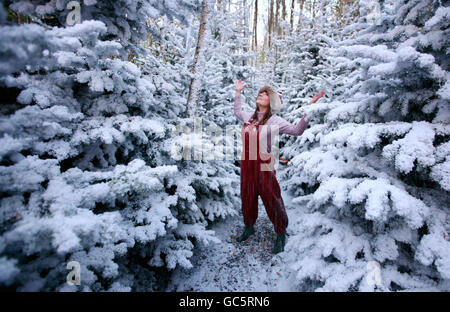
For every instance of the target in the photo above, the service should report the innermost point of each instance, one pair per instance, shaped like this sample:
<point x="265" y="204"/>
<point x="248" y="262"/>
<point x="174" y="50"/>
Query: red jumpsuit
<point x="258" y="179"/>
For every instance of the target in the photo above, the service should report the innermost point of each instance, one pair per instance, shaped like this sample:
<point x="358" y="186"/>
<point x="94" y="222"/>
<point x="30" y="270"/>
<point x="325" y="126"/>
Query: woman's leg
<point x="249" y="191"/>
<point x="270" y="193"/>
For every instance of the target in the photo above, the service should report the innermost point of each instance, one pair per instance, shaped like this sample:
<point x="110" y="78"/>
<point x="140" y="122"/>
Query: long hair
<point x="266" y="115"/>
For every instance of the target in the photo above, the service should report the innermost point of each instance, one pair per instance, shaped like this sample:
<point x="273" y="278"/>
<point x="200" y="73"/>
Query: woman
<point x="254" y="180"/>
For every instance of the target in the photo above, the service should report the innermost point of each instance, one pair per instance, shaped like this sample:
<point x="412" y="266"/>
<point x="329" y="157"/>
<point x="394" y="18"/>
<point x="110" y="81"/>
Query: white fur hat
<point x="276" y="100"/>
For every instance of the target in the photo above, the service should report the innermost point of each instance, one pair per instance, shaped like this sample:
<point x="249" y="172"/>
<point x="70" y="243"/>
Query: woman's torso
<point x="251" y="131"/>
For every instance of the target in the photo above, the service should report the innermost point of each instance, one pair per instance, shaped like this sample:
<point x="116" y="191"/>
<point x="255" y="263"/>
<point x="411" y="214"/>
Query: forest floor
<point x="233" y="266"/>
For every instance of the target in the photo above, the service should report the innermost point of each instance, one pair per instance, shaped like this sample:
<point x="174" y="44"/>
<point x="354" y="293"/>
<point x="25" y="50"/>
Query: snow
<point x="8" y="270"/>
<point x="232" y="266"/>
<point x="442" y="14"/>
<point x="89" y="167"/>
<point x="417" y="145"/>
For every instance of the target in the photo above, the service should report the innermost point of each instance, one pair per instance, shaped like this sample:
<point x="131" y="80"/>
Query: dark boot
<point x="249" y="230"/>
<point x="279" y="244"/>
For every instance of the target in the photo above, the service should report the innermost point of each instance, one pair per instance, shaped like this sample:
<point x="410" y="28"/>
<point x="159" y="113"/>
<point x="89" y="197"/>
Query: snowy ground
<point x="233" y="266"/>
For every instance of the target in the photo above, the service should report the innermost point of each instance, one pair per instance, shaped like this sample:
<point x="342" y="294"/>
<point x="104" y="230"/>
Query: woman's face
<point x="263" y="100"/>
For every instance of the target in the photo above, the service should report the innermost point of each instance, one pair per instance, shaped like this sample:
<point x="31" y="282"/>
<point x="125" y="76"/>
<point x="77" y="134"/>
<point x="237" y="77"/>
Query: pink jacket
<point x="283" y="124"/>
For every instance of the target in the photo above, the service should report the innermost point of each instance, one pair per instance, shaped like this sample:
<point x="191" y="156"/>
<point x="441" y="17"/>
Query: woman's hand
<point x="240" y="85"/>
<point x="316" y="97"/>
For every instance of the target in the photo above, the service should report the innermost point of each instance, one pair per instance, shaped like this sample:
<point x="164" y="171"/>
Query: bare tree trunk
<point x="277" y="25"/>
<point x="340" y="10"/>
<point x="270" y="24"/>
<point x="197" y="69"/>
<point x="322" y="14"/>
<point x="246" y="18"/>
<point x="291" y="21"/>
<point x="283" y="15"/>
<point x="255" y="27"/>
<point x="313" y="8"/>
<point x="301" y="10"/>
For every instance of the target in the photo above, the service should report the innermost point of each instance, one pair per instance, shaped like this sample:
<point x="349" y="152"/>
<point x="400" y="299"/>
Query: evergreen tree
<point x="372" y="168"/>
<point x="87" y="172"/>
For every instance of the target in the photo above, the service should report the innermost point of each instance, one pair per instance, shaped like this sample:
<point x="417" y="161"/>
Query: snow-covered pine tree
<point x="373" y="167"/>
<point x="218" y="183"/>
<point x="297" y="65"/>
<point x="199" y="59"/>
<point x="214" y="181"/>
<point x="86" y="172"/>
<point x="126" y="20"/>
<point x="226" y="61"/>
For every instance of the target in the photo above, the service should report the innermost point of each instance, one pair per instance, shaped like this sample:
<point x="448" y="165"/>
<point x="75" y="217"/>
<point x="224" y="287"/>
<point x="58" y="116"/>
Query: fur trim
<point x="276" y="101"/>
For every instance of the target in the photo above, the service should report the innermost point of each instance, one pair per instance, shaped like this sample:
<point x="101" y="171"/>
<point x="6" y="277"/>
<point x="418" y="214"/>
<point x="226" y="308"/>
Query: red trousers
<point x="258" y="179"/>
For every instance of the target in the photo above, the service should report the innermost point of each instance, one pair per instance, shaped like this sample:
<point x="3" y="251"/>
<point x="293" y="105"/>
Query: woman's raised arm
<point x="244" y="116"/>
<point x="238" y="112"/>
<point x="300" y="127"/>
<point x="288" y="128"/>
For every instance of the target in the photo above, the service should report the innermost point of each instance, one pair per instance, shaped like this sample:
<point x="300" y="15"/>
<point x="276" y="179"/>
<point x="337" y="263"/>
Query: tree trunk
<point x="339" y="10"/>
<point x="313" y="9"/>
<point x="270" y="24"/>
<point x="198" y="65"/>
<point x="283" y="16"/>
<point x="255" y="27"/>
<point x="291" y="21"/>
<point x="246" y="28"/>
<point x="277" y="26"/>
<point x="301" y="10"/>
